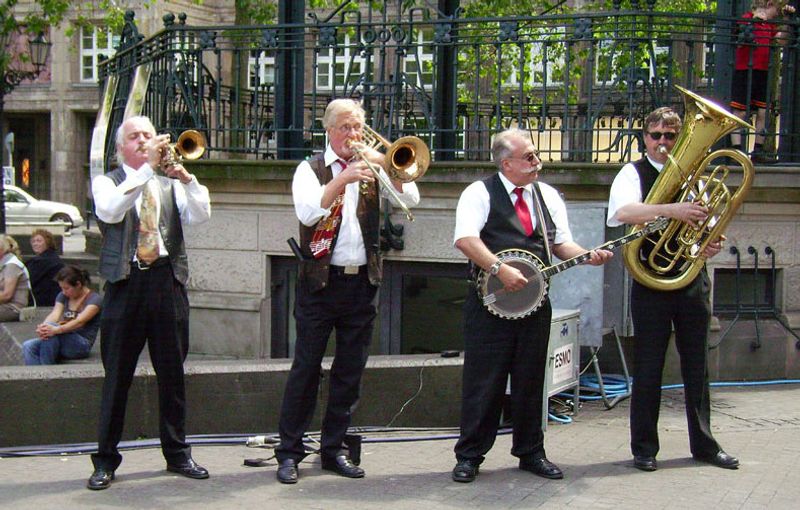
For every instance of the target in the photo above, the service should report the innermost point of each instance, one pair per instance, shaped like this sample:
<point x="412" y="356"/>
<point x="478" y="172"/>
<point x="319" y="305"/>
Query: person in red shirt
<point x="752" y="66"/>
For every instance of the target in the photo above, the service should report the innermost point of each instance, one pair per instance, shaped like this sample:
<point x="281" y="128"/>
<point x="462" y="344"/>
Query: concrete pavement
<point x="760" y="425"/>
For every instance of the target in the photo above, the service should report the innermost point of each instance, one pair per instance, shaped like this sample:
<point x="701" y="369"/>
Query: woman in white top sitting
<point x="14" y="280"/>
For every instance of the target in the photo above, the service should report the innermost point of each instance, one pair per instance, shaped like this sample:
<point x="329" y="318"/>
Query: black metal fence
<point x="581" y="83"/>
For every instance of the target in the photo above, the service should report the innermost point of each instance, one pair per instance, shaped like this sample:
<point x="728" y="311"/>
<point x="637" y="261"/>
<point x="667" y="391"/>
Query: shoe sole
<point x="100" y="487"/>
<point x="559" y="476"/>
<point x="723" y="466"/>
<point x="647" y="469"/>
<point x="346" y="475"/>
<point x="193" y="477"/>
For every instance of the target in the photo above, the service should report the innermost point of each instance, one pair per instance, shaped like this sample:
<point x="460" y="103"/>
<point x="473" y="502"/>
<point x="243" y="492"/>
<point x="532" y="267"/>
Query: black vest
<point x="503" y="230"/>
<point x="119" y="239"/>
<point x="647" y="175"/>
<point x="647" y="178"/>
<point x="314" y="272"/>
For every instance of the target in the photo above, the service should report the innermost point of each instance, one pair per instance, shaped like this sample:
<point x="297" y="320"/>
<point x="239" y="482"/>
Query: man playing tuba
<point x="655" y="312"/>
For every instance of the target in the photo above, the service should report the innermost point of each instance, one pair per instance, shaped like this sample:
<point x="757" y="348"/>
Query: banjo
<point x="516" y="305"/>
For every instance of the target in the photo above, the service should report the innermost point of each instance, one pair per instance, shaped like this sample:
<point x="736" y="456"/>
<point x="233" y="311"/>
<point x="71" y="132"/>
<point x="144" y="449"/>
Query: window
<point x="745" y="292"/>
<point x="412" y="294"/>
<point x="261" y="69"/>
<point x="418" y="63"/>
<point x="339" y="66"/>
<point x="545" y="60"/>
<point x="97" y="44"/>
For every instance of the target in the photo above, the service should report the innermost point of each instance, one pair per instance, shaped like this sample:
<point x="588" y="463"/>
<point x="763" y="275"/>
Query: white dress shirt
<point x="307" y="194"/>
<point x="111" y="202"/>
<point x="626" y="189"/>
<point x="473" y="207"/>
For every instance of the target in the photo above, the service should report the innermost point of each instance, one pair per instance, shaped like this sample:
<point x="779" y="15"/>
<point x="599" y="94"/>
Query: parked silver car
<point x="21" y="207"/>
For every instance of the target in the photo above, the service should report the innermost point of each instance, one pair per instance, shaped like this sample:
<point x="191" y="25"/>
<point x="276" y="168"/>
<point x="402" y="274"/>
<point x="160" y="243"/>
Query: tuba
<point x="191" y="144"/>
<point x="406" y="159"/>
<point x="671" y="258"/>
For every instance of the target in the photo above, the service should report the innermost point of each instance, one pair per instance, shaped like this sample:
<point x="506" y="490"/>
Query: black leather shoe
<point x="721" y="459"/>
<point x="190" y="469"/>
<point x="287" y="471"/>
<point x="645" y="463"/>
<point x="100" y="479"/>
<point x="465" y="471"/>
<point x="342" y="465"/>
<point x="541" y="467"/>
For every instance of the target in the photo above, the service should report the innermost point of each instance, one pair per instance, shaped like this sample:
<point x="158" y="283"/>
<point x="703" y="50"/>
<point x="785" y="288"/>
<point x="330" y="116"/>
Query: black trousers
<point x="495" y="348"/>
<point x="654" y="314"/>
<point x="150" y="306"/>
<point x="346" y="305"/>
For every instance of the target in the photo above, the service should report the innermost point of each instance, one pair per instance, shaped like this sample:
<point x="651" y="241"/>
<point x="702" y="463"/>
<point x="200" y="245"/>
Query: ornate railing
<point x="581" y="83"/>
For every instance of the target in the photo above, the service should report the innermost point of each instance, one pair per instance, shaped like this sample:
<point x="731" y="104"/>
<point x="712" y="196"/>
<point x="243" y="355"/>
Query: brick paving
<point x="760" y="425"/>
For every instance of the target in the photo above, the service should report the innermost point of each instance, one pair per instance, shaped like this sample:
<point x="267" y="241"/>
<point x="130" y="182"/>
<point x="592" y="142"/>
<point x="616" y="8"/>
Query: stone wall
<point x="253" y="216"/>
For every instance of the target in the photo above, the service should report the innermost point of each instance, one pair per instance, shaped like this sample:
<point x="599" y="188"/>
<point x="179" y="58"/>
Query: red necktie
<point x="523" y="213"/>
<point x="322" y="239"/>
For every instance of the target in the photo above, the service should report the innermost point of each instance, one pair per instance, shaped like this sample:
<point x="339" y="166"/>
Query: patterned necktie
<point x="523" y="213"/>
<point x="147" y="245"/>
<point x="322" y="239"/>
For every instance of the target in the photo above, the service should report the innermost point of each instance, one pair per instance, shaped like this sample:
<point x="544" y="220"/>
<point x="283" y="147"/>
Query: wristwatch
<point x="495" y="268"/>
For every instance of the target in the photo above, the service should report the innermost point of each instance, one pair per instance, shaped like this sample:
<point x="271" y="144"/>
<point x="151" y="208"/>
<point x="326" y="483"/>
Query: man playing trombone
<point x="143" y="260"/>
<point x="337" y="200"/>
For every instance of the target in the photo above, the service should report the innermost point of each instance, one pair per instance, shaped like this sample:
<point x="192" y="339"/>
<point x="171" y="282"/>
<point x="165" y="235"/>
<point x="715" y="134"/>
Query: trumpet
<point x="191" y="145"/>
<point x="406" y="160"/>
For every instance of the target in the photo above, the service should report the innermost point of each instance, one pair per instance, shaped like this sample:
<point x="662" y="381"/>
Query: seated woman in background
<point x="14" y="280"/>
<point x="43" y="267"/>
<point x="71" y="328"/>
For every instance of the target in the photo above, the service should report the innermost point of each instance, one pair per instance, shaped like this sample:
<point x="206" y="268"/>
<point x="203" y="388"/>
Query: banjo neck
<point x="553" y="270"/>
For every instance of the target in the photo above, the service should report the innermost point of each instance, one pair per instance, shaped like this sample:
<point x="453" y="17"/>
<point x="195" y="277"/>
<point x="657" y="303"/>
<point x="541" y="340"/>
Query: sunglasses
<point x="531" y="158"/>
<point x="656" y="135"/>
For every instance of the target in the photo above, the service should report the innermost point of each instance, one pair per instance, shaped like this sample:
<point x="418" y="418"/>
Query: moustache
<point x="533" y="169"/>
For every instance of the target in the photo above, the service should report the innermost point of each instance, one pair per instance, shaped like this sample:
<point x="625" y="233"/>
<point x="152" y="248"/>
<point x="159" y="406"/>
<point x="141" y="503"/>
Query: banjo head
<point x="515" y="305"/>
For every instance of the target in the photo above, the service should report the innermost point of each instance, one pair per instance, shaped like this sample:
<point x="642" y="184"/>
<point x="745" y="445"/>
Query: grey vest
<point x="119" y="239"/>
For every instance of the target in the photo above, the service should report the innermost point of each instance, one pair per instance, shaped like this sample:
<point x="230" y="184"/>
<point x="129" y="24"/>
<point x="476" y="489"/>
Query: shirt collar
<point x="510" y="186"/>
<point x="130" y="170"/>
<point x="330" y="156"/>
<point x="658" y="166"/>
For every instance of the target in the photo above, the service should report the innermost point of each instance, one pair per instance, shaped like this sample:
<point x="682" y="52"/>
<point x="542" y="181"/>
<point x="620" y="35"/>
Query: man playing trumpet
<point x="337" y="201"/>
<point x="143" y="260"/>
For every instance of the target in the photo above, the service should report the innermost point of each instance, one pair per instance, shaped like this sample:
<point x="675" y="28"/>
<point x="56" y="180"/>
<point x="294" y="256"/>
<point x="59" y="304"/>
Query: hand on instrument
<point x="156" y="147"/>
<point x="599" y="257"/>
<point x="714" y="247"/>
<point x="356" y="171"/>
<point x="178" y="172"/>
<point x="688" y="212"/>
<point x="512" y="278"/>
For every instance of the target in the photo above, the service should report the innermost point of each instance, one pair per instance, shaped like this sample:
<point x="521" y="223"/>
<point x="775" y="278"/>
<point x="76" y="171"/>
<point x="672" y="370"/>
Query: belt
<point x="347" y="270"/>
<point x="141" y="266"/>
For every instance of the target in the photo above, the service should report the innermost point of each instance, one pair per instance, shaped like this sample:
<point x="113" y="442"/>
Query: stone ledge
<point x="222" y="397"/>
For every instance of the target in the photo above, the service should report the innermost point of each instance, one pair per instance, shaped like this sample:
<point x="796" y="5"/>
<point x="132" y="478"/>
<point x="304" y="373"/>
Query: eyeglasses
<point x="531" y="157"/>
<point x="346" y="128"/>
<point x="656" y="135"/>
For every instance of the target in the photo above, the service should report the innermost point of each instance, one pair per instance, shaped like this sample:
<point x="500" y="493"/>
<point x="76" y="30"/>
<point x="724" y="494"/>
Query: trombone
<point x="407" y="159"/>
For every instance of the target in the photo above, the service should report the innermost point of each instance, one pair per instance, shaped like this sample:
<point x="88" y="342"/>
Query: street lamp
<point x="38" y="51"/>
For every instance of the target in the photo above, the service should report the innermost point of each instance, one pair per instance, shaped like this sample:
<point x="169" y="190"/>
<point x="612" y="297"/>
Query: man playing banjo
<point x="509" y="210"/>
